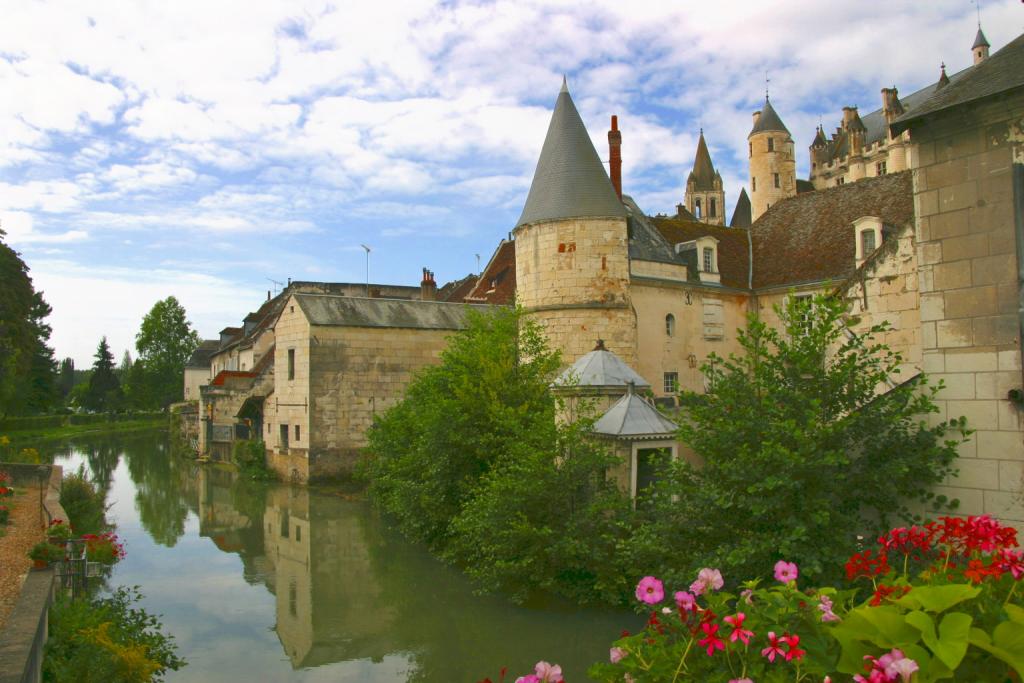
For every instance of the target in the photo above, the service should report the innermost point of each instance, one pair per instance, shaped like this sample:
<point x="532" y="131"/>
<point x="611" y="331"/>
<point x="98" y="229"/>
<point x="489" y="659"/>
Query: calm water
<point x="281" y="583"/>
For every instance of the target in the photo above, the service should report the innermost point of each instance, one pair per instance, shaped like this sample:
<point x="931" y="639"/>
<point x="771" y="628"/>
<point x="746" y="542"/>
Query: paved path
<point x="21" y="533"/>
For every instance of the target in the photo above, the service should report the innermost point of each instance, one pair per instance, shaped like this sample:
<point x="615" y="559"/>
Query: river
<point x="284" y="583"/>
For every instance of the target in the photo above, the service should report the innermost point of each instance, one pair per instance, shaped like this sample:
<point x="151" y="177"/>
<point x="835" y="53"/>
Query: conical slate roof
<point x="599" y="368"/>
<point x="943" y="79"/>
<point x="980" y="40"/>
<point x="741" y="214"/>
<point x="768" y="120"/>
<point x="570" y="180"/>
<point x="633" y="417"/>
<point x="703" y="173"/>
<point x="819" y="138"/>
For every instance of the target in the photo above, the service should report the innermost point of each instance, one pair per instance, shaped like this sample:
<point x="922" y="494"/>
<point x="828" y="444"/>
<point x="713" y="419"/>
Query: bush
<point x="84" y="503"/>
<point x="107" y="640"/>
<point x="251" y="459"/>
<point x="14" y="424"/>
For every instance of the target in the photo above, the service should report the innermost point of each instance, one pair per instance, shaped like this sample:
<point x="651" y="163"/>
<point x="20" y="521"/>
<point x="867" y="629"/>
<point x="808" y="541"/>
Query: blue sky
<point x="198" y="149"/>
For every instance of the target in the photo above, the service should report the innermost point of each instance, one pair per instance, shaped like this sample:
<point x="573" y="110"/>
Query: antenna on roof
<point x="367" y="268"/>
<point x="276" y="284"/>
<point x="977" y="6"/>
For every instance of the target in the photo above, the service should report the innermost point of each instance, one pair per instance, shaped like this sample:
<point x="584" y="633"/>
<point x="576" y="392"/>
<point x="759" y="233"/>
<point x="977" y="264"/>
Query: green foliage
<point x="84" y="502"/>
<point x="251" y="458"/>
<point x="104" y="392"/>
<point x="472" y="463"/>
<point x="45" y="551"/>
<point x="164" y="342"/>
<point x="806" y="443"/>
<point x="107" y="640"/>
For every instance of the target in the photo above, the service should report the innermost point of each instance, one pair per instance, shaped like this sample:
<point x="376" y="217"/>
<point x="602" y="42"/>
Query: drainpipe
<point x="1018" y="221"/>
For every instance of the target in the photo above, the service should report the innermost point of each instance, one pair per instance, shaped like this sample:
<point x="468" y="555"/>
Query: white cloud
<point x="19" y="229"/>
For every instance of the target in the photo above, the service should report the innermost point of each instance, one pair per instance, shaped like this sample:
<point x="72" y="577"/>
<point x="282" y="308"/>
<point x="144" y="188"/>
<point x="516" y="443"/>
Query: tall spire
<point x="703" y="173"/>
<point x="570" y="180"/>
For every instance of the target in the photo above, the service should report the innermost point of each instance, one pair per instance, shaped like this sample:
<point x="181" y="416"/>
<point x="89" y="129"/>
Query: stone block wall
<point x="963" y="193"/>
<point x="289" y="405"/>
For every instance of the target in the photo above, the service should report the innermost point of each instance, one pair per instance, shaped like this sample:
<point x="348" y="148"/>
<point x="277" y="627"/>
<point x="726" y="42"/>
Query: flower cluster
<point x="104" y="548"/>
<point x="5" y="485"/>
<point x="59" y="529"/>
<point x="543" y="672"/>
<point x="888" y="668"/>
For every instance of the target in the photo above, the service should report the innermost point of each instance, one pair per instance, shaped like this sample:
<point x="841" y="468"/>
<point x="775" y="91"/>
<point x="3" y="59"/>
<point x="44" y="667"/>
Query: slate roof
<point x="769" y="120"/>
<point x="741" y="214"/>
<point x="497" y="284"/>
<point x="1002" y="71"/>
<point x="350" y="311"/>
<point x="809" y="237"/>
<point x="570" y="180"/>
<point x="200" y="358"/>
<point x="980" y="40"/>
<point x="733" y="248"/>
<point x="599" y="368"/>
<point x="632" y="417"/>
<point x="645" y="242"/>
<point x="456" y="290"/>
<point x="703" y="174"/>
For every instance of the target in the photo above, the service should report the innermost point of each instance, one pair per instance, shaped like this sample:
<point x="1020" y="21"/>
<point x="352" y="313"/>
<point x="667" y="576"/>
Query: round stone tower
<point x="572" y="266"/>
<point x="772" y="161"/>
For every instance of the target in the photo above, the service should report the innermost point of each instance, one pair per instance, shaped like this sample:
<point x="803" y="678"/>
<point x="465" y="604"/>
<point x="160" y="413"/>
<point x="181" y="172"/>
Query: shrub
<point x="46" y="552"/>
<point x="107" y="640"/>
<point x="84" y="503"/>
<point x="251" y="458"/>
<point x="104" y="548"/>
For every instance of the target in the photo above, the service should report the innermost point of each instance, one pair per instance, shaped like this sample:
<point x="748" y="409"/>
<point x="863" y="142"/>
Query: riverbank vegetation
<point x="801" y="455"/>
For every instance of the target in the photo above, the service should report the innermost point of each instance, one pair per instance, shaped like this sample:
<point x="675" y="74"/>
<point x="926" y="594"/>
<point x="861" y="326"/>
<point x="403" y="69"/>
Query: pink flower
<point x="548" y="673"/>
<point x="707" y="578"/>
<point x="528" y="679"/>
<point x="905" y="668"/>
<point x="774" y="647"/>
<point x="748" y="596"/>
<point x="686" y="601"/>
<point x="711" y="640"/>
<point x="738" y="632"/>
<point x="650" y="590"/>
<point x="785" y="571"/>
<point x="825" y="605"/>
<point x="740" y="680"/>
<point x="616" y="654"/>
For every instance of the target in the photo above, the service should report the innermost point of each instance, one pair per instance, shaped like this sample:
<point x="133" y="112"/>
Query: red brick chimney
<point x="615" y="156"/>
<point x="428" y="287"/>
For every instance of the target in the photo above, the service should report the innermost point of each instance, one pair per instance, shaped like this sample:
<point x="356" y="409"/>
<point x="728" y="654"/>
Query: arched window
<point x="670" y="325"/>
<point x="696" y="208"/>
<point x="713" y="209"/>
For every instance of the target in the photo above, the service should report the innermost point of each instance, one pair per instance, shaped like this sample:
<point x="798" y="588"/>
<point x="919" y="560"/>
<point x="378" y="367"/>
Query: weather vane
<point x="766" y="82"/>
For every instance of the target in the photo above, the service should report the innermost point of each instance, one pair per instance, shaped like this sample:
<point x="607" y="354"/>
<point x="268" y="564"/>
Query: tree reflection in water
<point x="163" y="486"/>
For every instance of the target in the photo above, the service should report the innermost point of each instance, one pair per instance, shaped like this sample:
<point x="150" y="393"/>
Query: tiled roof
<point x="200" y="358"/>
<point x="599" y="368"/>
<point x="497" y="284"/>
<point x="645" y="242"/>
<point x="769" y="120"/>
<point x="741" y="214"/>
<point x="266" y="361"/>
<point x="1001" y="72"/>
<point x="456" y="290"/>
<point x="809" y="237"/>
<point x="634" y="418"/>
<point x="224" y="375"/>
<point x="349" y="311"/>
<point x="570" y="180"/>
<point x="733" y="248"/>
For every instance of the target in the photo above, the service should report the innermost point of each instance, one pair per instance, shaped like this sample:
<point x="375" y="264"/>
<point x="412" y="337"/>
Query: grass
<point x="22" y="438"/>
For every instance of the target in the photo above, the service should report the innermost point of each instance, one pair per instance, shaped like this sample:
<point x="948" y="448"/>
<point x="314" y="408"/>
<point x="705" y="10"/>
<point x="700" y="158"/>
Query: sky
<point x="213" y="150"/>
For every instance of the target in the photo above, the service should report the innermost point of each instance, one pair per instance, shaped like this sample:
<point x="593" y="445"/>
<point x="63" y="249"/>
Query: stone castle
<point x="913" y="213"/>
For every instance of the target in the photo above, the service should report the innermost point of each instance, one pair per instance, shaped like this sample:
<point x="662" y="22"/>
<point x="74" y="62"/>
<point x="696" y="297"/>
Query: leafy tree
<point x="104" y="388"/>
<point x="125" y="367"/>
<point x="806" y="444"/>
<point x="164" y="342"/>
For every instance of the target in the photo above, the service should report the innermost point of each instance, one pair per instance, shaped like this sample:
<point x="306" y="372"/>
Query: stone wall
<point x="963" y="193"/>
<point x="289" y="405"/>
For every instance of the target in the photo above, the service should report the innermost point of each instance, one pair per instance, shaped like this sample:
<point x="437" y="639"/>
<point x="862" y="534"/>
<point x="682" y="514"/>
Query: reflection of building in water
<point x="329" y="605"/>
<point x="233" y="526"/>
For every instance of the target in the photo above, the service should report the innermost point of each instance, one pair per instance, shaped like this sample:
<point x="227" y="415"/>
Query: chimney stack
<point x="756" y="116"/>
<point x="428" y="286"/>
<point x="615" y="156"/>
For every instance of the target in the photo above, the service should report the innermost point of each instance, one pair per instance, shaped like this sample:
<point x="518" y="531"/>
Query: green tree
<point x="164" y="342"/>
<point x="66" y="379"/>
<point x="39" y="391"/>
<point x="809" y="439"/>
<point x="104" y="392"/>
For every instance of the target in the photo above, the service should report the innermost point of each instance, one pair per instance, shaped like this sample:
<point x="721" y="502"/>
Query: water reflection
<point x="350" y="600"/>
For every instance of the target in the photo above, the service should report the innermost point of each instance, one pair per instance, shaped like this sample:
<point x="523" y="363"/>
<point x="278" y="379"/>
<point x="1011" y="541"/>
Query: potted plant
<point x="58" y="532"/>
<point x="104" y="548"/>
<point x="43" y="553"/>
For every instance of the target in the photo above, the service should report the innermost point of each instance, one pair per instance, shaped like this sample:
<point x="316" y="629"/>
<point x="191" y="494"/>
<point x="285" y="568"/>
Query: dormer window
<point x="867" y="242"/>
<point x="709" y="260"/>
<point x="867" y="231"/>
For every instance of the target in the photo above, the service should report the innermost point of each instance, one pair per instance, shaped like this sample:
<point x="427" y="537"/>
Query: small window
<point x="867" y="242"/>
<point x="753" y="184"/>
<point x="298" y="436"/>
<point x="298" y="534"/>
<point x="751" y="145"/>
<point x="670" y="325"/>
<point x="671" y="382"/>
<point x="841" y="180"/>
<point x="804" y="309"/>
<point x="713" y="208"/>
<point x="880" y="168"/>
<point x="293" y="598"/>
<point x="775" y="178"/>
<point x="709" y="260"/>
<point x="268" y="428"/>
<point x="696" y="208"/>
<point x="291" y="363"/>
<point x="771" y="144"/>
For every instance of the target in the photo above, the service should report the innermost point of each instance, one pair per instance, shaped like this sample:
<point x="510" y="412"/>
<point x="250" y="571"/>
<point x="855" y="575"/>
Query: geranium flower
<point x="794" y="651"/>
<point x="774" y="647"/>
<point x="785" y="571"/>
<point x="707" y="578"/>
<point x="616" y="654"/>
<point x="738" y="632"/>
<point x="883" y="592"/>
<point x="686" y="601"/>
<point x="650" y="590"/>
<point x="866" y="564"/>
<point x="711" y="640"/>
<point x="1012" y="561"/>
<point x="548" y="673"/>
<point x="825" y="605"/>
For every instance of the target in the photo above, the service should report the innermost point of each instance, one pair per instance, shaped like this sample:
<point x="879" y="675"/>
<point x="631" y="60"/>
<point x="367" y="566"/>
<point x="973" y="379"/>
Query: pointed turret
<point x="943" y="79"/>
<point x="767" y="120"/>
<point x="570" y="180"/>
<point x="741" y="214"/>
<point x="772" y="162"/>
<point x="980" y="48"/>
<point x="705" y="196"/>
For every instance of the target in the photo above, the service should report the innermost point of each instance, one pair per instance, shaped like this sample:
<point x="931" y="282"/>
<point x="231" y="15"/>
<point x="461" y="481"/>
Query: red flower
<point x="794" y="651"/>
<point x="883" y="592"/>
<point x="738" y="632"/>
<point x="773" y="648"/>
<point x="867" y="565"/>
<point x="711" y="641"/>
